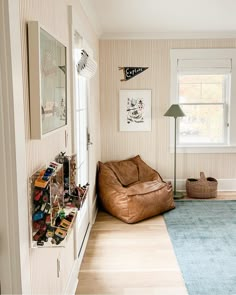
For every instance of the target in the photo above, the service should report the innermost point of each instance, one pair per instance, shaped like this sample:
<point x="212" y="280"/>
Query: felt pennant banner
<point x="131" y="72"/>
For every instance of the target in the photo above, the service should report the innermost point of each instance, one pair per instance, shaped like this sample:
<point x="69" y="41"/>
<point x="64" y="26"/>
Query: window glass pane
<point x="201" y="88"/>
<point x="82" y="159"/>
<point x="203" y="124"/>
<point x="189" y="92"/>
<point x="81" y="135"/>
<point x="82" y="92"/>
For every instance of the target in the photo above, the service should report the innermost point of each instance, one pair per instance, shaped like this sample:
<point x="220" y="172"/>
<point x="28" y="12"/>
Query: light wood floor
<point x="125" y="259"/>
<point x="131" y="259"/>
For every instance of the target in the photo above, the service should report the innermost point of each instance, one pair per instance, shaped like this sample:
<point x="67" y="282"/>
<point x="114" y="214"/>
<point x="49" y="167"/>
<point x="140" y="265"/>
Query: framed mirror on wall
<point x="47" y="81"/>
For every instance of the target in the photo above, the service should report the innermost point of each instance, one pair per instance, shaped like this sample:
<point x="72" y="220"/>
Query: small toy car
<point x="38" y="224"/>
<point x="70" y="216"/>
<point x="65" y="223"/>
<point x="50" y="232"/>
<point x="38" y="194"/>
<point x="49" y="171"/>
<point x="39" y="182"/>
<point x="45" y="197"/>
<point x="48" y="219"/>
<point x="41" y="234"/>
<point x="59" y="236"/>
<point x="38" y="215"/>
<point x="45" y="208"/>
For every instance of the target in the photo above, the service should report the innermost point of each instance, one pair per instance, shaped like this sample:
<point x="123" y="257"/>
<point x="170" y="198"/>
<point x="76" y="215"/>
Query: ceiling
<point x="162" y="18"/>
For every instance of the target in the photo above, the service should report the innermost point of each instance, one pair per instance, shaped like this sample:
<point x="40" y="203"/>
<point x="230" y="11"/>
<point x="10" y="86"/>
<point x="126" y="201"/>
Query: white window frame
<point x="208" y="54"/>
<point x="224" y="103"/>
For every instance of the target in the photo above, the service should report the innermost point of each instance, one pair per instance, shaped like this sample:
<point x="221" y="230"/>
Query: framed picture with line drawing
<point x="135" y="110"/>
<point x="47" y="80"/>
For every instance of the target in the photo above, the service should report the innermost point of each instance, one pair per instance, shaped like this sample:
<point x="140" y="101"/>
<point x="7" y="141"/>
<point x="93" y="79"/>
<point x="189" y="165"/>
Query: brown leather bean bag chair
<point x="133" y="191"/>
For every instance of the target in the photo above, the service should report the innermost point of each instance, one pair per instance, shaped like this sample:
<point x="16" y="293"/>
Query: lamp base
<point x="178" y="195"/>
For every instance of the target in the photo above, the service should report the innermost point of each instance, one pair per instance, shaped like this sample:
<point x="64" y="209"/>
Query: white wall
<point x="14" y="253"/>
<point x="53" y="16"/>
<point x="152" y="146"/>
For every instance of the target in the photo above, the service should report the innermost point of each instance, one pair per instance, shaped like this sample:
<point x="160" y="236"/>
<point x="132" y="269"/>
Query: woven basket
<point x="203" y="188"/>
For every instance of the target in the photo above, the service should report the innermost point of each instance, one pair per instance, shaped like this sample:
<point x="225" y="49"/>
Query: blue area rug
<point x="203" y="234"/>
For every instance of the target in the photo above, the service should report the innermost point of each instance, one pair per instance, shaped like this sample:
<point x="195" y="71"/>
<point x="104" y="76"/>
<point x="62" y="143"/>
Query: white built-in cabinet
<point x="51" y="268"/>
<point x="54" y="270"/>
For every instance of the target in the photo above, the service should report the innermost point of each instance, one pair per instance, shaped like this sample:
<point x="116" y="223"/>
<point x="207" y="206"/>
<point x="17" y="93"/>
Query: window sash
<point x="207" y="143"/>
<point x="224" y="103"/>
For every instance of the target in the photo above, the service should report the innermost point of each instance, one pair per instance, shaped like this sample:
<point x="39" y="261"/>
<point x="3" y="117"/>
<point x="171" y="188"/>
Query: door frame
<point x="76" y="25"/>
<point x="15" y="255"/>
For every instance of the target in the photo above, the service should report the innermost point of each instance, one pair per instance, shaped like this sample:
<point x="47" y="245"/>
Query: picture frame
<point x="47" y="82"/>
<point x="135" y="110"/>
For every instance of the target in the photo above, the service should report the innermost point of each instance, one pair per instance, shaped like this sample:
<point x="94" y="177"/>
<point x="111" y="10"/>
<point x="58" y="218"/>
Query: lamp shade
<point x="174" y="111"/>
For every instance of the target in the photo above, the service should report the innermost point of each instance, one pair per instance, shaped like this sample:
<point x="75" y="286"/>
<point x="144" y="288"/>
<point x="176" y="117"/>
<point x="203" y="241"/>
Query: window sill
<point x="205" y="149"/>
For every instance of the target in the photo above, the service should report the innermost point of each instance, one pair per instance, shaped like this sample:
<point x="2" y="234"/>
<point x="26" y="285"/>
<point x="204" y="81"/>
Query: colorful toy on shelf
<point x="39" y="182"/>
<point x="38" y="215"/>
<point x="81" y="191"/>
<point x="40" y="236"/>
<point x="49" y="171"/>
<point x="45" y="174"/>
<point x="57" y="231"/>
<point x="59" y="236"/>
<point x="65" y="223"/>
<point x="38" y="224"/>
<point x="71" y="216"/>
<point x="48" y="219"/>
<point x="41" y="195"/>
<point x="38" y="194"/>
<point x="45" y="208"/>
<point x="50" y="231"/>
<point x="55" y="165"/>
<point x="55" y="201"/>
<point x="76" y="198"/>
<point x="72" y="201"/>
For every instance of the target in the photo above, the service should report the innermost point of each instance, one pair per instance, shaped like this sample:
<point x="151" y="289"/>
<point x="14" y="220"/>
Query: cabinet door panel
<point x="66" y="259"/>
<point x="44" y="271"/>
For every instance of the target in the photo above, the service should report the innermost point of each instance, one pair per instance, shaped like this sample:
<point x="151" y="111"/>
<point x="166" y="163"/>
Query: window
<point x="204" y="100"/>
<point x="202" y="84"/>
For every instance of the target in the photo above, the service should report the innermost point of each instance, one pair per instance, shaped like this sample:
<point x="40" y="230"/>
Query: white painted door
<point x="81" y="140"/>
<point x="81" y="117"/>
<point x="81" y="129"/>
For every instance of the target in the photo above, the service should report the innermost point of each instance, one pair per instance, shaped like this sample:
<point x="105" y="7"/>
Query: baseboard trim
<point x="224" y="185"/>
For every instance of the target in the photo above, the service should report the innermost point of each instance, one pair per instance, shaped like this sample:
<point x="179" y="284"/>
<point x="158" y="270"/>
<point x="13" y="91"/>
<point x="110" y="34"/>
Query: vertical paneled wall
<point x="53" y="16"/>
<point x="152" y="146"/>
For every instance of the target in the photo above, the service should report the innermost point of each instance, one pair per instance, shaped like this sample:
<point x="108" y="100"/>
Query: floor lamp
<point x="175" y="112"/>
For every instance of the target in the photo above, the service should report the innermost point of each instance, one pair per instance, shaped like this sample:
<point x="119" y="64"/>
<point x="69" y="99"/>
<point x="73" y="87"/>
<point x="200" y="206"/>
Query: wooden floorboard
<point x="131" y="259"/>
<point x="125" y="259"/>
